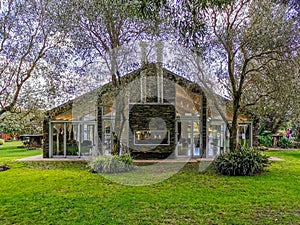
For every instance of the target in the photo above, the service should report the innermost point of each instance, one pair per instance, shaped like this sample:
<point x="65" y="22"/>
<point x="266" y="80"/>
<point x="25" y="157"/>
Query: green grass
<point x="67" y="193"/>
<point x="10" y="151"/>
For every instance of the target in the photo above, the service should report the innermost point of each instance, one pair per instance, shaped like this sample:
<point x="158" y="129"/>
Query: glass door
<point x="184" y="138"/>
<point x="188" y="134"/>
<point x="87" y="140"/>
<point x="73" y="139"/>
<point x="58" y="140"/>
<point x="216" y="139"/>
<point x="244" y="134"/>
<point x="196" y="139"/>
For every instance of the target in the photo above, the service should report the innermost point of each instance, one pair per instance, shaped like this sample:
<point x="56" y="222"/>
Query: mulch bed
<point x="4" y="167"/>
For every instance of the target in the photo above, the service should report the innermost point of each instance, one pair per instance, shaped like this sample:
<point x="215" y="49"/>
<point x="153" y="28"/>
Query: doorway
<point x="188" y="138"/>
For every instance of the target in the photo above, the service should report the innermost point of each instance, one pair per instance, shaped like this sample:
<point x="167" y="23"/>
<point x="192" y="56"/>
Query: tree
<point x="247" y="40"/>
<point x="25" y="122"/>
<point x="26" y="37"/>
<point x="274" y="96"/>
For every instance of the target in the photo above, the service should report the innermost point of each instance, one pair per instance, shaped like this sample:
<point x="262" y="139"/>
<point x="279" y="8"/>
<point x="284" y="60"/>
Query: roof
<point x="126" y="79"/>
<point x="106" y="90"/>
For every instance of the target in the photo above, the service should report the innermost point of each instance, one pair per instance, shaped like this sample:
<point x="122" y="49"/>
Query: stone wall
<point x="143" y="117"/>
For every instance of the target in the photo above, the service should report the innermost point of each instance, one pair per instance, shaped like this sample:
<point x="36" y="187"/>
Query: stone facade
<point x="144" y="117"/>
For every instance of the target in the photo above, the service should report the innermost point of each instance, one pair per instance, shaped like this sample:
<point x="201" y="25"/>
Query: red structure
<point x="5" y="136"/>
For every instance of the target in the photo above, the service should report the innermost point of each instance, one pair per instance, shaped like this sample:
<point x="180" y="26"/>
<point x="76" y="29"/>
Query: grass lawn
<point x="10" y="151"/>
<point x="67" y="193"/>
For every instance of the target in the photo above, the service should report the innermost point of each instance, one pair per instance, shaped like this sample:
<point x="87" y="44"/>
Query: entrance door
<point x="87" y="139"/>
<point x="216" y="138"/>
<point x="188" y="143"/>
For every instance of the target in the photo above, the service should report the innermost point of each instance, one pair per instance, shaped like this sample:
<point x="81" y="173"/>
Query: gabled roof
<point x="126" y="79"/>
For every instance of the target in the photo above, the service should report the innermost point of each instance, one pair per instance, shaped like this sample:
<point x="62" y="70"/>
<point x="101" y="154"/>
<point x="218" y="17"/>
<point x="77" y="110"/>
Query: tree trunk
<point x="234" y="125"/>
<point x="233" y="136"/>
<point x="119" y="122"/>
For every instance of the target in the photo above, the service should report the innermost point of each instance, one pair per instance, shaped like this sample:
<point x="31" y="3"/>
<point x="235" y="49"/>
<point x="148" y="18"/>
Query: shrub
<point x="284" y="143"/>
<point x="241" y="162"/>
<point x="126" y="158"/>
<point x="265" y="140"/>
<point x="111" y="164"/>
<point x="2" y="142"/>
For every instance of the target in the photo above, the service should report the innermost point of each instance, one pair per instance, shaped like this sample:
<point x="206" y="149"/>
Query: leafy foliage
<point x="241" y="162"/>
<point x="27" y="38"/>
<point x="26" y="121"/>
<point x="111" y="164"/>
<point x="126" y="158"/>
<point x="241" y="36"/>
<point x="265" y="140"/>
<point x="284" y="143"/>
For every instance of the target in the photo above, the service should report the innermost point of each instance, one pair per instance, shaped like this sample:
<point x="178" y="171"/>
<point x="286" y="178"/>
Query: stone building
<point x="153" y="114"/>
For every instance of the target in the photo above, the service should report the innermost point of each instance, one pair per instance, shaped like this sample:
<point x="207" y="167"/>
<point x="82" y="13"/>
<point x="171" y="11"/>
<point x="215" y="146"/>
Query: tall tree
<point x="251" y="37"/>
<point x="26" y="37"/>
<point x="245" y="41"/>
<point x="273" y="96"/>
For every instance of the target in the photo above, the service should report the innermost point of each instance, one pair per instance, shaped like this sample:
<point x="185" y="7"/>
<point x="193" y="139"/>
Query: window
<point x="152" y="137"/>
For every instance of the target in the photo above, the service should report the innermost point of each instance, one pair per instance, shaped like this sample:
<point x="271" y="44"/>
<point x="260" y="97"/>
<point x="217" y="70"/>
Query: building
<point x="155" y="114"/>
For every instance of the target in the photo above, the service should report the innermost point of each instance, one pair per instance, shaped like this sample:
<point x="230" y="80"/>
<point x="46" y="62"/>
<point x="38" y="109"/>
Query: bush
<point x="111" y="164"/>
<point x="126" y="158"/>
<point x="2" y="142"/>
<point x="265" y="140"/>
<point x="284" y="143"/>
<point x="241" y="162"/>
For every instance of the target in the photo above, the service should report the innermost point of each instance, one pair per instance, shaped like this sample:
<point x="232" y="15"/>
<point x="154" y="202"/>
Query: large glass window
<point x="73" y="139"/>
<point x="216" y="139"/>
<point x="107" y="136"/>
<point x="187" y="104"/>
<point x="184" y="143"/>
<point x="72" y="143"/>
<point x="196" y="139"/>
